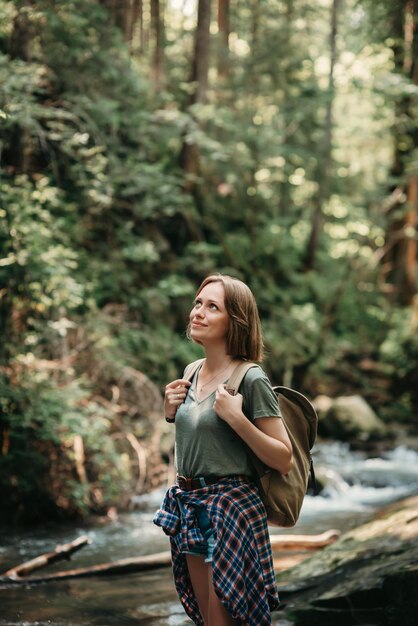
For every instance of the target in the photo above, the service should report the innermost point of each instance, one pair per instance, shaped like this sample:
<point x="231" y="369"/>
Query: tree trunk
<point x="254" y="74"/>
<point x="157" y="28"/>
<point x="224" y="30"/>
<point x="189" y="157"/>
<point x="19" y="150"/>
<point x="284" y="200"/>
<point x="123" y="17"/>
<point x="400" y="260"/>
<point x="408" y="247"/>
<point x="20" y="38"/>
<point x="120" y="12"/>
<point x="326" y="152"/>
<point x="200" y="67"/>
<point x="405" y="275"/>
<point x="137" y="23"/>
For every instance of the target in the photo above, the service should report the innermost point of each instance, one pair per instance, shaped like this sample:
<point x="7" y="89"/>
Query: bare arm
<point x="267" y="437"/>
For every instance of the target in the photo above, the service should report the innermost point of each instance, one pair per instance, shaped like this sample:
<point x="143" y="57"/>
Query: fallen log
<point x="60" y="553"/>
<point x="304" y="542"/>
<point x="123" y="566"/>
<point x="19" y="573"/>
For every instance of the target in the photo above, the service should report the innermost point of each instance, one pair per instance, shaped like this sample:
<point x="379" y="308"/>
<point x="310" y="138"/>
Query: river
<point x="356" y="487"/>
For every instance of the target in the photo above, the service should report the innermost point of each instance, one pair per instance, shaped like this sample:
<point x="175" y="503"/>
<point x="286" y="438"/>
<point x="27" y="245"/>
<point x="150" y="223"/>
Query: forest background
<point x="145" y="144"/>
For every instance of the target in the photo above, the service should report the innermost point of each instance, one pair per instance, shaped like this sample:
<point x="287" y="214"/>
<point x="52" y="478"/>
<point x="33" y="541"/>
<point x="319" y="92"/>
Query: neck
<point x="216" y="368"/>
<point x="216" y="359"/>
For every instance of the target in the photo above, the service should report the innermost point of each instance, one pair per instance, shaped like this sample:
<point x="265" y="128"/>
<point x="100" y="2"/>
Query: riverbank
<point x="358" y="488"/>
<point x="368" y="576"/>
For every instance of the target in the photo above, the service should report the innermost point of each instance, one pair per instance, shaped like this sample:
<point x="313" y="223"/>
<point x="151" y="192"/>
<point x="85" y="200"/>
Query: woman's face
<point x="209" y="319"/>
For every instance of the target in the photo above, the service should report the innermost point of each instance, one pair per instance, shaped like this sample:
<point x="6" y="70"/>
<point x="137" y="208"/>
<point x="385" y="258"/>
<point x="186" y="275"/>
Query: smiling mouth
<point x="198" y="324"/>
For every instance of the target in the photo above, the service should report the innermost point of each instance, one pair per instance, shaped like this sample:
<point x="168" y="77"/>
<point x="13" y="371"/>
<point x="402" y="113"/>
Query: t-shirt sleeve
<point x="259" y="397"/>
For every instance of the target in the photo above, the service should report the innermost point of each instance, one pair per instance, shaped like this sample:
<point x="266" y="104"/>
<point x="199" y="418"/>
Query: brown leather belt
<point x="188" y="484"/>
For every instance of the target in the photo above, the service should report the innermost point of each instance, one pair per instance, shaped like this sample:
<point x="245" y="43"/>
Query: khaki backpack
<point x="282" y="494"/>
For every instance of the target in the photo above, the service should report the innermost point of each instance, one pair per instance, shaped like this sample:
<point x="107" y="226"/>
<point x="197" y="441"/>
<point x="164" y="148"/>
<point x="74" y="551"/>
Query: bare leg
<point x="218" y="615"/>
<point x="198" y="571"/>
<point x="213" y="611"/>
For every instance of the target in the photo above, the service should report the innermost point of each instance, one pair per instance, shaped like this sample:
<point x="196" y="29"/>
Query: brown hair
<point x="244" y="338"/>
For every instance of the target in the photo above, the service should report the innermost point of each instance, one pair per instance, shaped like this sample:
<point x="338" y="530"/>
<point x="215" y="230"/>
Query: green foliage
<point x="40" y="419"/>
<point x="37" y="250"/>
<point x="399" y="352"/>
<point x="104" y="235"/>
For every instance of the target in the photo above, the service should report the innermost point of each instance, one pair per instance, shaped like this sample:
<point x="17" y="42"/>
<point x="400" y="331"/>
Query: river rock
<point x="368" y="577"/>
<point x="348" y="418"/>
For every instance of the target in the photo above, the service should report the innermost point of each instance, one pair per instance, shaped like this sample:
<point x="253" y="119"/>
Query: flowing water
<point x="355" y="486"/>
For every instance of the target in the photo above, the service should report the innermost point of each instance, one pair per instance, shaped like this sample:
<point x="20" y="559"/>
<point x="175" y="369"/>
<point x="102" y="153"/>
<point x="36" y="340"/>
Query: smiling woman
<point x="209" y="319"/>
<point x="214" y="516"/>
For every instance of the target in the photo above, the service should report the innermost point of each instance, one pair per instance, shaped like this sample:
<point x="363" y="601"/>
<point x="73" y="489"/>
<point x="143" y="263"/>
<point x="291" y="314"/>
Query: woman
<point x="222" y="560"/>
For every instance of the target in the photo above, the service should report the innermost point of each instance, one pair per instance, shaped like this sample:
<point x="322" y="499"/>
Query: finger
<point x="181" y="390"/>
<point x="224" y="390"/>
<point x="172" y="387"/>
<point x="221" y="389"/>
<point x="177" y="396"/>
<point x="176" y="393"/>
<point x="179" y="382"/>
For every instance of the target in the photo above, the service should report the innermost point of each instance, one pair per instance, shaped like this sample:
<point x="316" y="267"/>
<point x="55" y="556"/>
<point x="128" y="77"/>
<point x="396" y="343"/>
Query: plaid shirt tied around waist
<point x="242" y="568"/>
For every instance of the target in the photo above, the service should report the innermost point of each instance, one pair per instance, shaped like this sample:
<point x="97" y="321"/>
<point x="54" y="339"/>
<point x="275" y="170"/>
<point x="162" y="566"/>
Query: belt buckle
<point x="185" y="483"/>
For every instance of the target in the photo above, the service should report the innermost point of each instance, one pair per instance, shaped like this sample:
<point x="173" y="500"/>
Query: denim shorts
<point x="204" y="548"/>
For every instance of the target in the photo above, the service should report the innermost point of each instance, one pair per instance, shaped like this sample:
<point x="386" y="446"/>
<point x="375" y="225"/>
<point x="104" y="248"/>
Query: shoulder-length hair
<point x="244" y="339"/>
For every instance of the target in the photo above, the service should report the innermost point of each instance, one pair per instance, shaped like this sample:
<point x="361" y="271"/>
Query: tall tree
<point x="137" y="22"/>
<point x="157" y="27"/>
<point x="325" y="154"/>
<point x="200" y="65"/>
<point x="400" y="260"/>
<point x="287" y="114"/>
<point x="224" y="32"/>
<point x="199" y="79"/>
<point x="20" y="38"/>
<point x="122" y="13"/>
<point x="20" y="48"/>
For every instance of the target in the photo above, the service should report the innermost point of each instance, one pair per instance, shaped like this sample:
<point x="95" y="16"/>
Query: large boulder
<point x="348" y="418"/>
<point x="369" y="576"/>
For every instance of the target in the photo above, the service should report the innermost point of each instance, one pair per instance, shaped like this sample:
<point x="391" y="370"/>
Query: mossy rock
<point x="348" y="418"/>
<point x="369" y="576"/>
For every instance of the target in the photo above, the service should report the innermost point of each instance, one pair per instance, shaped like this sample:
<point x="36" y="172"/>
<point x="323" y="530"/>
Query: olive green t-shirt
<point x="208" y="446"/>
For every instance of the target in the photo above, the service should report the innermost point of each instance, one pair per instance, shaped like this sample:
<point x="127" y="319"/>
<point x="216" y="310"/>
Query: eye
<point x="197" y="303"/>
<point x="213" y="306"/>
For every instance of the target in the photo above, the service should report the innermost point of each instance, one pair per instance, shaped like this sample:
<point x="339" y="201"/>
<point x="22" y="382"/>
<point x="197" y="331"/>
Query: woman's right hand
<point x="175" y="393"/>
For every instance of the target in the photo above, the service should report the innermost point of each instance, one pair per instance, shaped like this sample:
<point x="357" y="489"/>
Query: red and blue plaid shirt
<point x="242" y="567"/>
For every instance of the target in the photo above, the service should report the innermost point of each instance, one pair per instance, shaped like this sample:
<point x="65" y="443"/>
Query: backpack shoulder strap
<point x="238" y="375"/>
<point x="192" y="368"/>
<point x="233" y="385"/>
